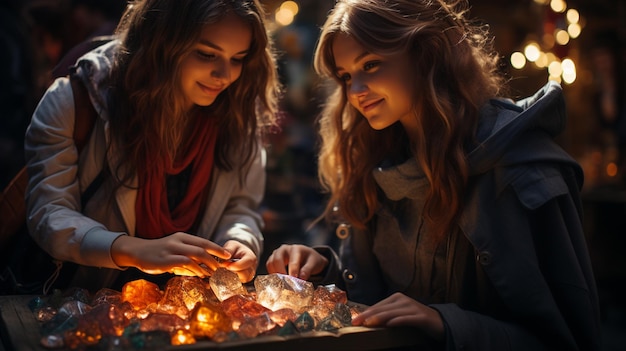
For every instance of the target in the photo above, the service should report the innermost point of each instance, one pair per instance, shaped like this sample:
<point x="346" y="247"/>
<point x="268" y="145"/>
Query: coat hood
<point x="513" y="133"/>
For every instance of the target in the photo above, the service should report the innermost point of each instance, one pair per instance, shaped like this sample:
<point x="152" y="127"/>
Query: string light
<point x="562" y="27"/>
<point x="558" y="5"/>
<point x="518" y="60"/>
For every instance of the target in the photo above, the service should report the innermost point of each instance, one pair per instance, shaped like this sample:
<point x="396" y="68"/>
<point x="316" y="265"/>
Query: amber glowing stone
<point x="208" y="320"/>
<point x="241" y="306"/>
<point x="141" y="293"/>
<point x="183" y="293"/>
<point x="183" y="337"/>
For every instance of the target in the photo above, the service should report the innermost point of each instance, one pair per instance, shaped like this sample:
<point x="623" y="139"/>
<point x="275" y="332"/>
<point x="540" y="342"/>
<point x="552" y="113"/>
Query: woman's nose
<point x="357" y="88"/>
<point x="221" y="71"/>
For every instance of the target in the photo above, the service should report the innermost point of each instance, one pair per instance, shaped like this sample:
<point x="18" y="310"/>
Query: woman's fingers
<point x="210" y="247"/>
<point x="399" y="309"/>
<point x="295" y="263"/>
<point x="296" y="260"/>
<point x="278" y="260"/>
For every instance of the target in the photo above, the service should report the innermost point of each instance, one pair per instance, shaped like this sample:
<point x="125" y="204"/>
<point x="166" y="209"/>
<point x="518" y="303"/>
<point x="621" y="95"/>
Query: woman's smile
<point x="211" y="91"/>
<point x="370" y="105"/>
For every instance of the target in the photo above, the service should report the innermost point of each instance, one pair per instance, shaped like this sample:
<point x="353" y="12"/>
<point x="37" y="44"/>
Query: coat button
<point x="343" y="231"/>
<point x="349" y="276"/>
<point x="484" y="258"/>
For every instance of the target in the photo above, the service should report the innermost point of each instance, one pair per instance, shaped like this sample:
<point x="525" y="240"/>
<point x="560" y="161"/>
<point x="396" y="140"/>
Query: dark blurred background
<point x="580" y="43"/>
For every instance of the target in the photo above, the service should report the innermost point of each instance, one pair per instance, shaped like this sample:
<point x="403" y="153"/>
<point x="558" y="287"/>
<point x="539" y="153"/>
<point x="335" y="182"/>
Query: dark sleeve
<point x="544" y="278"/>
<point x="466" y="330"/>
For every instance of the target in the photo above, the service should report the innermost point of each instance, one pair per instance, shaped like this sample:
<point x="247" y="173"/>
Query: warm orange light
<point x="208" y="320"/>
<point x="141" y="293"/>
<point x="183" y="337"/>
<point x="142" y="305"/>
<point x="611" y="169"/>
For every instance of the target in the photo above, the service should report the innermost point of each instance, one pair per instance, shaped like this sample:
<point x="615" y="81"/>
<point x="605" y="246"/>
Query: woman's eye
<point x="205" y="56"/>
<point x="238" y="60"/>
<point x="344" y="77"/>
<point x="370" y="65"/>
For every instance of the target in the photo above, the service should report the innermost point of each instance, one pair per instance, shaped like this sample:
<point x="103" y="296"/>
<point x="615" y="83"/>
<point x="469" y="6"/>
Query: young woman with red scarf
<point x="183" y="95"/>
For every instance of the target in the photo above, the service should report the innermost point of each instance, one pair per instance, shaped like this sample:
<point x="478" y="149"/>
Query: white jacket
<point x="58" y="177"/>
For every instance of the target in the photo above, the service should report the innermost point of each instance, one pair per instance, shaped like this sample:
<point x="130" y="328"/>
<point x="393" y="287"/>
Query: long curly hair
<point x="456" y="72"/>
<point x="148" y="121"/>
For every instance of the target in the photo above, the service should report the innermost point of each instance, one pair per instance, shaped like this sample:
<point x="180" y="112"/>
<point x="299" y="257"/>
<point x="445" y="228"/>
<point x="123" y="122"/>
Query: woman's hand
<point x="401" y="310"/>
<point x="179" y="253"/>
<point x="301" y="261"/>
<point x="243" y="260"/>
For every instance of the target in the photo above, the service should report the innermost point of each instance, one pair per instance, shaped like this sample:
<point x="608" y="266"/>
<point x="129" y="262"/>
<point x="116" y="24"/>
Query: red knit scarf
<point x="154" y="219"/>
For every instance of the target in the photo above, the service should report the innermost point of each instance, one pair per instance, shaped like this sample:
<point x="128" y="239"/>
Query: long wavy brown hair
<point x="148" y="121"/>
<point x="456" y="72"/>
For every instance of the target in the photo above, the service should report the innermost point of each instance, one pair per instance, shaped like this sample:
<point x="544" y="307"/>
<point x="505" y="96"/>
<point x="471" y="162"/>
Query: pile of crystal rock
<point x="187" y="310"/>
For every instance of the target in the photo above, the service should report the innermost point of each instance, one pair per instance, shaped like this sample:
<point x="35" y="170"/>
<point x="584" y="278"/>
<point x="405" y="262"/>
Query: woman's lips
<point x="213" y="91"/>
<point x="367" y="106"/>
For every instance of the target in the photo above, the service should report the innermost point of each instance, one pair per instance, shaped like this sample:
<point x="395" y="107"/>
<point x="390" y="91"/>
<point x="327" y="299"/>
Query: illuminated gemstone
<point x="141" y="293"/>
<point x="207" y="320"/>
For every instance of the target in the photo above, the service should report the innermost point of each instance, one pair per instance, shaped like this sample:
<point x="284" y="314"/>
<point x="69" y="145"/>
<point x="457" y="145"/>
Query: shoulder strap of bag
<point x="85" y="114"/>
<point x="12" y="202"/>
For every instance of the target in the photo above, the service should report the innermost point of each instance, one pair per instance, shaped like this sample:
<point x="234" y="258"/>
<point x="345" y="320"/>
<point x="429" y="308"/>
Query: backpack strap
<point x="85" y="113"/>
<point x="83" y="125"/>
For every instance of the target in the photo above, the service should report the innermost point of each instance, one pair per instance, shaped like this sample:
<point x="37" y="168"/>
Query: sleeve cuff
<point x="96" y="248"/>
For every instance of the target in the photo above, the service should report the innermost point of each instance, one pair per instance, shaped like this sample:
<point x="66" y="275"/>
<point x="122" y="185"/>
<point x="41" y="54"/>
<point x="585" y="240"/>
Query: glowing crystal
<point x="182" y="293"/>
<point x="141" y="293"/>
<point x="240" y="307"/>
<point x="105" y="295"/>
<point x="276" y="291"/>
<point x="190" y="308"/>
<point x="226" y="284"/>
<point x="324" y="300"/>
<point x="207" y="320"/>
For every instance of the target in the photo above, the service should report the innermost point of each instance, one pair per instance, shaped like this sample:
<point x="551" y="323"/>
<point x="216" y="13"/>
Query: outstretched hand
<point x="296" y="260"/>
<point x="401" y="310"/>
<point x="179" y="253"/>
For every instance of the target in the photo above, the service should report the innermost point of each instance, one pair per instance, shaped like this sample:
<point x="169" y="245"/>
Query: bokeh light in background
<point x="561" y="25"/>
<point x="286" y="13"/>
